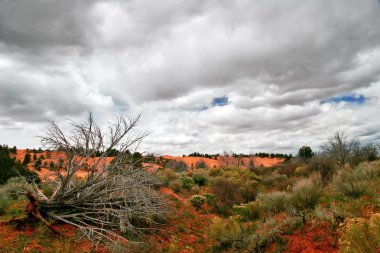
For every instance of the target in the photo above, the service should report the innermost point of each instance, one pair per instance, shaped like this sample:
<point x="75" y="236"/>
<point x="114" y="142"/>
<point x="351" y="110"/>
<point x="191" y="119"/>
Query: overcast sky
<point x="207" y="75"/>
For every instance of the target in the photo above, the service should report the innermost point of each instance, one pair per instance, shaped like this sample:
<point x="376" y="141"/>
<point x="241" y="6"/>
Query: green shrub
<point x="200" y="164"/>
<point x="301" y="171"/>
<point x="324" y="165"/>
<point x="225" y="232"/>
<point x="360" y="235"/>
<point x="196" y="189"/>
<point x="200" y="179"/>
<point x="166" y="176"/>
<point x="215" y="172"/>
<point x="370" y="170"/>
<point x="226" y="191"/>
<point x="178" y="166"/>
<point x="5" y="202"/>
<point x="274" y="178"/>
<point x="176" y="185"/>
<point x="197" y="201"/>
<point x="273" y="202"/>
<point x="13" y="187"/>
<point x="248" y="211"/>
<point x="352" y="183"/>
<point x="306" y="194"/>
<point x="210" y="198"/>
<point x="187" y="182"/>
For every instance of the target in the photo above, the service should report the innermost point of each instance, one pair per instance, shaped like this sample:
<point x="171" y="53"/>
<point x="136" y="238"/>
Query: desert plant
<point x="226" y="191"/>
<point x="197" y="201"/>
<point x="176" y="185"/>
<point x="200" y="165"/>
<point x="273" y="202"/>
<point x="324" y="165"/>
<point x="177" y="166"/>
<point x="304" y="197"/>
<point x="248" y="211"/>
<point x="187" y="182"/>
<point x="216" y="172"/>
<point x="370" y="170"/>
<point x="352" y="183"/>
<point x="4" y="203"/>
<point x="195" y="189"/>
<point x="360" y="235"/>
<point x="166" y="176"/>
<point x="225" y="232"/>
<point x="200" y="179"/>
<point x="14" y="187"/>
<point x="210" y="198"/>
<point x="114" y="198"/>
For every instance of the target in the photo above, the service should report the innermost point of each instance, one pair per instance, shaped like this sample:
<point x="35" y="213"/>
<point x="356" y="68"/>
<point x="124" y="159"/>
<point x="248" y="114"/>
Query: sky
<point x="207" y="76"/>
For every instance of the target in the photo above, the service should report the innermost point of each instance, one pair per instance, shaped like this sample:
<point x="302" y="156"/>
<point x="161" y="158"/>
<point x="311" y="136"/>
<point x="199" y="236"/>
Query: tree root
<point x="33" y="213"/>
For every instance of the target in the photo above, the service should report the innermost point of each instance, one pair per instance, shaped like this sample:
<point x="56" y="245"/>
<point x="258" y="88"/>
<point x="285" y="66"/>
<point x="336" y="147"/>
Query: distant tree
<point x="34" y="157"/>
<point x="305" y="153"/>
<point x="10" y="167"/>
<point x="340" y="147"/>
<point x="178" y="166"/>
<point x="13" y="150"/>
<point x="37" y="164"/>
<point x="26" y="159"/>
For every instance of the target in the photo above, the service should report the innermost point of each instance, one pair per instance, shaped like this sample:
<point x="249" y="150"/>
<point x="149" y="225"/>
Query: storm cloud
<point x="277" y="69"/>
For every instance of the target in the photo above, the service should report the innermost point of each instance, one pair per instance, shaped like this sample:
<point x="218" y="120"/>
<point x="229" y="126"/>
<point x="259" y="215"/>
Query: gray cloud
<point x="274" y="60"/>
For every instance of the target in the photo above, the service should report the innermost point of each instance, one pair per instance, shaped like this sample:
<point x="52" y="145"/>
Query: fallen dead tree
<point x="114" y="198"/>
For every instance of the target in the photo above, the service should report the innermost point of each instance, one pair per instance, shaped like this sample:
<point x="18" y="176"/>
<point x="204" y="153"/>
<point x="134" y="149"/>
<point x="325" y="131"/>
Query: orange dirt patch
<point x="210" y="163"/>
<point x="317" y="238"/>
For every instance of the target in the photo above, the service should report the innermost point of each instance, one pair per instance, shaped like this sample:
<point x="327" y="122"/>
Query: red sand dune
<point x="210" y="163"/>
<point x="54" y="156"/>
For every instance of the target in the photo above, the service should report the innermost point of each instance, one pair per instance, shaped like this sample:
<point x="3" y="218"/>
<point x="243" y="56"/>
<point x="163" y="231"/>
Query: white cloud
<point x="274" y="60"/>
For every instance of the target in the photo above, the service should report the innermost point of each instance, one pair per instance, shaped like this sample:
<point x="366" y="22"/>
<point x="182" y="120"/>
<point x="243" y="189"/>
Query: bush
<point x="178" y="166"/>
<point x="5" y="202"/>
<point x="14" y="187"/>
<point x="187" y="182"/>
<point x="200" y="164"/>
<point x="352" y="183"/>
<point x="305" y="195"/>
<point x="215" y="172"/>
<point x="197" y="201"/>
<point x="176" y="185"/>
<point x="196" y="189"/>
<point x="273" y="202"/>
<point x="248" y="211"/>
<point x="225" y="232"/>
<point x="370" y="170"/>
<point x="324" y="165"/>
<point x="166" y="176"/>
<point x="274" y="178"/>
<point x="200" y="179"/>
<point x="301" y="171"/>
<point x="210" y="198"/>
<point x="226" y="191"/>
<point x="360" y="235"/>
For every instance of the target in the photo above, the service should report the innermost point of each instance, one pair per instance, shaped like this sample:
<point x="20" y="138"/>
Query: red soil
<point x="317" y="238"/>
<point x="210" y="163"/>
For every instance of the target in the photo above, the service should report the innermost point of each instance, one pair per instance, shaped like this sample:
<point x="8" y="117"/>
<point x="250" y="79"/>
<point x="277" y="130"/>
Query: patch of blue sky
<point x="353" y="99"/>
<point x="220" y="101"/>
